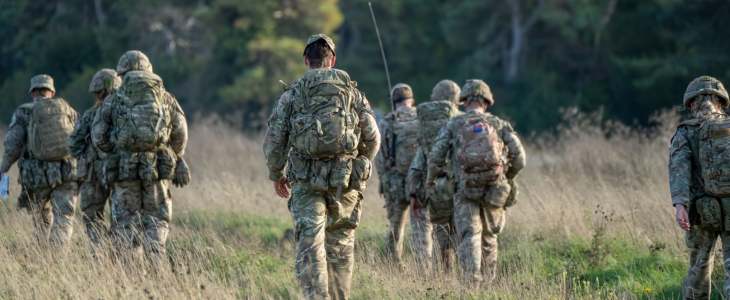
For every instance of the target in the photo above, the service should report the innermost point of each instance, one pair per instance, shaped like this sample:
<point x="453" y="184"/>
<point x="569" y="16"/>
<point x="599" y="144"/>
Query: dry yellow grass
<point x="227" y="237"/>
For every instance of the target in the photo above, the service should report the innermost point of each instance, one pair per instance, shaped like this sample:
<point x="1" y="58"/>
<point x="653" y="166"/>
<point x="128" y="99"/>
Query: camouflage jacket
<point x="105" y="124"/>
<point x="276" y="142"/>
<point x="448" y="141"/>
<point x="16" y="139"/>
<point x="685" y="170"/>
<point x="384" y="161"/>
<point x="415" y="180"/>
<point x="79" y="142"/>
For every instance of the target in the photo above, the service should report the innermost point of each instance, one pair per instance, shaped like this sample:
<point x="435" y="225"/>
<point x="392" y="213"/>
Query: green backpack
<point x="715" y="156"/>
<point x="324" y="123"/>
<point x="51" y="123"/>
<point x="143" y="120"/>
<point x="432" y="116"/>
<point x="405" y="139"/>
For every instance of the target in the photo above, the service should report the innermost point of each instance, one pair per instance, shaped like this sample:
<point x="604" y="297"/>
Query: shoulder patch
<point x="678" y="141"/>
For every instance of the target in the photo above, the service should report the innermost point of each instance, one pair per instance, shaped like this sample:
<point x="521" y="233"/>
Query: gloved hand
<point x="514" y="192"/>
<point x="182" y="174"/>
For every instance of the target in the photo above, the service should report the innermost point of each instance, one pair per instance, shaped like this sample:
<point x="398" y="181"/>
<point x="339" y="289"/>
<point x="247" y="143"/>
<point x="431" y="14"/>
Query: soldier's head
<point x="402" y="95"/>
<point x="42" y="86"/>
<point x="133" y="60"/>
<point x="446" y="90"/>
<point x="104" y="82"/>
<point x="706" y="96"/>
<point x="476" y="95"/>
<point x="319" y="52"/>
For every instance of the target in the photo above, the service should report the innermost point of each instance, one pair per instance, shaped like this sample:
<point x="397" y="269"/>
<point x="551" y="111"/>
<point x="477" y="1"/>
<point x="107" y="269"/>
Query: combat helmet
<point x="446" y="90"/>
<point x="133" y="60"/>
<point x="705" y="85"/>
<point x="401" y="92"/>
<point x="476" y="90"/>
<point x="41" y="81"/>
<point x="105" y="80"/>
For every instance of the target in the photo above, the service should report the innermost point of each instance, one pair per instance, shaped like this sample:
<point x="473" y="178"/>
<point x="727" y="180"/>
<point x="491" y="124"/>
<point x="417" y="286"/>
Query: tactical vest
<point x="404" y="139"/>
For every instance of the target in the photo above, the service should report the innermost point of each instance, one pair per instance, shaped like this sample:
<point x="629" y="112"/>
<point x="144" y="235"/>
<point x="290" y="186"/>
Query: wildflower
<point x="647" y="290"/>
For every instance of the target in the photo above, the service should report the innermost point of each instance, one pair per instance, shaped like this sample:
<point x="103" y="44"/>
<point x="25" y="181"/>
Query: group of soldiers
<point x="124" y="150"/>
<point x="455" y="171"/>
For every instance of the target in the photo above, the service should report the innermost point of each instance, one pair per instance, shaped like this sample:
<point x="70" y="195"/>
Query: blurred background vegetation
<point x="628" y="58"/>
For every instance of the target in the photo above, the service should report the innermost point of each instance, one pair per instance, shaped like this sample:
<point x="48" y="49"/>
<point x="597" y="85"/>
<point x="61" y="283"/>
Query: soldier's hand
<point x="682" y="217"/>
<point x="182" y="174"/>
<point x="282" y="187"/>
<point x="416" y="208"/>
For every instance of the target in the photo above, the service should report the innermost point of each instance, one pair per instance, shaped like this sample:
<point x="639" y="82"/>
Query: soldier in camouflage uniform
<point x="52" y="197"/>
<point x="438" y="200"/>
<point x="705" y="96"/>
<point x="398" y="146"/>
<point x="479" y="210"/>
<point x="141" y="203"/>
<point x="329" y="141"/>
<point x="94" y="192"/>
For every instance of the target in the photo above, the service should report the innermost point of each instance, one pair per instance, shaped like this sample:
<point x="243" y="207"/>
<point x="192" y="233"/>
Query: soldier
<point x="47" y="171"/>
<point x="330" y="129"/>
<point x="486" y="155"/>
<point x="398" y="147"/>
<point x="437" y="200"/>
<point x="94" y="192"/>
<point x="143" y="131"/>
<point x="695" y="169"/>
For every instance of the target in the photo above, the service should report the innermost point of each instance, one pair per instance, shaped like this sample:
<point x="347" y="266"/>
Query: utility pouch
<point x="513" y="194"/>
<point x="498" y="192"/>
<point x="471" y="193"/>
<point x="362" y="169"/>
<point x="320" y="171"/>
<point x="39" y="174"/>
<point x="81" y="169"/>
<point x="147" y="167"/>
<point x="111" y="169"/>
<point x="300" y="167"/>
<point x="440" y="197"/>
<point x="166" y="164"/>
<point x="26" y="173"/>
<point x="710" y="214"/>
<point x="69" y="169"/>
<point x="340" y="172"/>
<point x="128" y="167"/>
<point x="53" y="171"/>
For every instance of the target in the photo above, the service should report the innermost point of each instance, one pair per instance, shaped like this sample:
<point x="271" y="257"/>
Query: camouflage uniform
<point x="141" y="208"/>
<point x="52" y="198"/>
<point x="394" y="189"/>
<point x="687" y="189"/>
<point x="94" y="192"/>
<point x="478" y="224"/>
<point x="438" y="200"/>
<point x="324" y="227"/>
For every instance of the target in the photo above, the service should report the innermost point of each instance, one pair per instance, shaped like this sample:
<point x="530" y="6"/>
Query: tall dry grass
<point x="226" y="241"/>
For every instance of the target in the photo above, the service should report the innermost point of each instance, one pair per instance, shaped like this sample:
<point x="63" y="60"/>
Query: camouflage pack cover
<point x="105" y="80"/>
<point x="143" y="120"/>
<point x="405" y="131"/>
<point x="446" y="90"/>
<point x="41" y="81"/>
<point x="133" y="60"/>
<point x="714" y="158"/>
<point x="705" y="85"/>
<point x="432" y="116"/>
<point x="324" y="123"/>
<point x="51" y="123"/>
<point x="476" y="90"/>
<point x="479" y="153"/>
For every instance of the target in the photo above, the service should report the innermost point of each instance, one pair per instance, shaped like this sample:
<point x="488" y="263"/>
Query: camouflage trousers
<point x="141" y="215"/>
<point x="701" y="244"/>
<point x="94" y="197"/>
<point x="325" y="233"/>
<point x="478" y="226"/>
<point x="23" y="201"/>
<point x="397" y="204"/>
<point x="53" y="211"/>
<point x="441" y="211"/>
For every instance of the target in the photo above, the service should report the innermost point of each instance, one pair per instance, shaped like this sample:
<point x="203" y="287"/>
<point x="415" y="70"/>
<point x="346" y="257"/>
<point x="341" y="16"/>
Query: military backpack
<point x="51" y="123"/>
<point x="432" y="116"/>
<point x="479" y="153"/>
<point x="143" y="119"/>
<point x="404" y="140"/>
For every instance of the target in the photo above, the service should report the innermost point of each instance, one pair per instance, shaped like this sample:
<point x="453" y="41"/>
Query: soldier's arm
<point x="276" y="141"/>
<point x="15" y="141"/>
<point x="417" y="171"/>
<point x="179" y="133"/>
<point x="76" y="143"/>
<point x="516" y="156"/>
<point x="437" y="157"/>
<point x="102" y="125"/>
<point x="680" y="169"/>
<point x="369" y="133"/>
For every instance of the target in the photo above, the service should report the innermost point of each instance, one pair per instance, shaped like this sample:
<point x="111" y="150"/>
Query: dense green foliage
<point x="226" y="56"/>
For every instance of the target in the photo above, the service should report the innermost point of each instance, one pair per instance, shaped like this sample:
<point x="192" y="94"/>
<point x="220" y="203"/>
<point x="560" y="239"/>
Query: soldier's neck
<point x="38" y="98"/>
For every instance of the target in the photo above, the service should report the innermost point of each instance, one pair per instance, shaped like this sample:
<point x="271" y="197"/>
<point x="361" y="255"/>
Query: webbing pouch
<point x="340" y="172"/>
<point x="300" y="167"/>
<point x="362" y="169"/>
<point x="147" y="167"/>
<point x="710" y="214"/>
<point x="81" y="169"/>
<point x="53" y="171"/>
<point x="498" y="192"/>
<point x="111" y="169"/>
<point x="128" y="167"/>
<point x="320" y="172"/>
<point x="69" y="169"/>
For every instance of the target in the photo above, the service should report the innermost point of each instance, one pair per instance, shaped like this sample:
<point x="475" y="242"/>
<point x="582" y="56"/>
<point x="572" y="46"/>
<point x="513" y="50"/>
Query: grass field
<point x="594" y="221"/>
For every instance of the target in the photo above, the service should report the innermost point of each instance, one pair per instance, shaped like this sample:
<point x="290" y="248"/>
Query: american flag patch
<point x="478" y="128"/>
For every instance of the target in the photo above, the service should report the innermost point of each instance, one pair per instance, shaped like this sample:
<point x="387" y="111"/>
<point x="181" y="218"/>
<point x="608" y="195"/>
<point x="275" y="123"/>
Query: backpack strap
<point x="691" y="122"/>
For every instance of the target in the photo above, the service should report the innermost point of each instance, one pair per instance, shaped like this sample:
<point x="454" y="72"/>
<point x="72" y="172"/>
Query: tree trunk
<point x="99" y="13"/>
